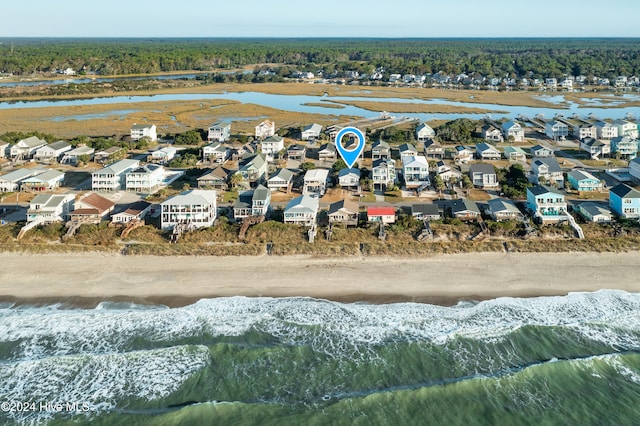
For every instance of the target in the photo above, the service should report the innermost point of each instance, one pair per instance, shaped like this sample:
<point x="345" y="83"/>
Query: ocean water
<point x="301" y="361"/>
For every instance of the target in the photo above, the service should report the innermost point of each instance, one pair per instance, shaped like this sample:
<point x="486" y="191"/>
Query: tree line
<point x="537" y="58"/>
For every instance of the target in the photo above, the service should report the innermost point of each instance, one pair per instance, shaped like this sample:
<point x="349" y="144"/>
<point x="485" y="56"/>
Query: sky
<point x="326" y="18"/>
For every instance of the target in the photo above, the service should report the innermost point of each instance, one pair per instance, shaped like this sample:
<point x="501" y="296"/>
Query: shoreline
<point x="86" y="279"/>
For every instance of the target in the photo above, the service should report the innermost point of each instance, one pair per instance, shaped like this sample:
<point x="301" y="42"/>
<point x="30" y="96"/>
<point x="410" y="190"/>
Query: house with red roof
<point x="381" y="214"/>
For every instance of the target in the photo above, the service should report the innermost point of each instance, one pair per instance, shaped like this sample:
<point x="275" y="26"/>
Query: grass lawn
<point x="229" y="196"/>
<point x="367" y="197"/>
<point x="393" y="196"/>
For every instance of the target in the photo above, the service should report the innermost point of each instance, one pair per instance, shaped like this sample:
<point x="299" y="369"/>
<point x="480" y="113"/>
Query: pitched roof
<point x="502" y="205"/>
<point x="425" y="209"/>
<point x="58" y="145"/>
<point x="464" y="204"/>
<point x="18" y="175"/>
<point x="274" y="138"/>
<point x="483" y="146"/>
<point x="328" y="147"/>
<point x="381" y="211"/>
<point x="137" y="207"/>
<point x="384" y="162"/>
<point x="46" y="176"/>
<point x="98" y="202"/>
<point x="219" y="172"/>
<point x="407" y="147"/>
<point x="380" y="144"/>
<point x="257" y="160"/>
<point x="313" y="127"/>
<point x="141" y="126"/>
<point x="261" y="193"/>
<point x="511" y="124"/>
<point x="485" y="169"/>
<point x="32" y="142"/>
<point x="550" y="162"/>
<point x="284" y="174"/>
<point x="316" y="175"/>
<point x="540" y="190"/>
<point x="595" y="209"/>
<point x="303" y="201"/>
<point x="347" y="172"/>
<point x="348" y="205"/>
<point x="118" y="167"/>
<point x="625" y="191"/>
<point x="193" y="197"/>
<point x="581" y="175"/>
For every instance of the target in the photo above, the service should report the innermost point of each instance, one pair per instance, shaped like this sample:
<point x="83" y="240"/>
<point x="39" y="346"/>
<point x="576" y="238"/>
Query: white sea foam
<point x="103" y="382"/>
<point x="611" y="317"/>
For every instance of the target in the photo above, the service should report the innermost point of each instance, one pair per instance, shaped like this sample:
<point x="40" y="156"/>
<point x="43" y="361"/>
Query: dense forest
<point x="537" y="58"/>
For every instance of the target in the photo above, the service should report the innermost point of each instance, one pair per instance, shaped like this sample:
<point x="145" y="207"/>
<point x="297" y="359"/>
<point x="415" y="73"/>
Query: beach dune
<point x="439" y="279"/>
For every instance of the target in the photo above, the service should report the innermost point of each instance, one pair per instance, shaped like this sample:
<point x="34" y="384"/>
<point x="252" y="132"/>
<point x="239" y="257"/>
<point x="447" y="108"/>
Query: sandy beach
<point x="440" y="279"/>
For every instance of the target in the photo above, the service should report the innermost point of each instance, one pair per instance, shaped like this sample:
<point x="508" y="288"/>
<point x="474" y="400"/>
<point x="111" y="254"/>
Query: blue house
<point x="625" y="201"/>
<point x="546" y="204"/>
<point x="581" y="180"/>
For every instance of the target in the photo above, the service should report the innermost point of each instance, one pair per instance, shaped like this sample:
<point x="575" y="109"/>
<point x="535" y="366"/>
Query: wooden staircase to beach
<point x="246" y="223"/>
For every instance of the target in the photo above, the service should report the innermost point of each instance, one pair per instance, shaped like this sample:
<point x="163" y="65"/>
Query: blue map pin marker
<point x="350" y="155"/>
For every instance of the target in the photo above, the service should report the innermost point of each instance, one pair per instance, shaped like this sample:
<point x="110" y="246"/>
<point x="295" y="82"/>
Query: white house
<point x="4" y="149"/>
<point x="327" y="152"/>
<point x="73" y="156"/>
<point x="380" y="149"/>
<point x="585" y="130"/>
<point x="196" y="208"/>
<point x="139" y="131"/>
<point x="556" y="130"/>
<point x="606" y="130"/>
<point x="382" y="214"/>
<point x="487" y="152"/>
<point x="415" y="170"/>
<point x="546" y="171"/>
<point x="302" y="210"/>
<point x="513" y="129"/>
<point x="490" y="133"/>
<point x="215" y="153"/>
<point x="113" y="177"/>
<point x="349" y="178"/>
<point x="26" y="148"/>
<point x="163" y="155"/>
<point x="462" y="154"/>
<point x="407" y="150"/>
<point x="383" y="173"/>
<point x="11" y="181"/>
<point x="311" y="132"/>
<point x="271" y="146"/>
<point x="52" y="152"/>
<point x="265" y="129"/>
<point x="135" y="211"/>
<point x="47" y="208"/>
<point x="483" y="175"/>
<point x="595" y="148"/>
<point x="145" y="179"/>
<point x="282" y="179"/>
<point x="424" y="132"/>
<point x="252" y="203"/>
<point x="626" y="128"/>
<point x="539" y="151"/>
<point x="315" y="181"/>
<point x="595" y="212"/>
<point x="44" y="181"/>
<point x="219" y="132"/>
<point x="446" y="173"/>
<point x="503" y="209"/>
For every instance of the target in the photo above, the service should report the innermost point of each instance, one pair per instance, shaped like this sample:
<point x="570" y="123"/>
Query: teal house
<point x="581" y="180"/>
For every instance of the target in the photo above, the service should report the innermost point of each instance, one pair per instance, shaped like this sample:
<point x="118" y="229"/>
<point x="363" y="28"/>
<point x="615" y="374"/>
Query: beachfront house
<point x="92" y="208"/>
<point x="311" y="132"/>
<point x="380" y="150"/>
<point x="272" y="146"/>
<point x="163" y="155"/>
<point x="265" y="129"/>
<point x="215" y="153"/>
<point x="134" y="211"/>
<point x="196" y="208"/>
<point x="595" y="148"/>
<point x="112" y="177"/>
<point x="383" y="174"/>
<point x="139" y="131"/>
<point x="344" y="212"/>
<point x="252" y="203"/>
<point x="302" y="210"/>
<point x="315" y="182"/>
<point x="491" y="134"/>
<point x="384" y="215"/>
<point x="624" y="147"/>
<point x="424" y="132"/>
<point x="512" y="131"/>
<point x="581" y="180"/>
<point x="45" y="181"/>
<point x="52" y="152"/>
<point x="253" y="169"/>
<point x="487" y="152"/>
<point x="415" y="170"/>
<point x="10" y="182"/>
<point x="217" y="178"/>
<point x="24" y="149"/>
<point x="327" y="152"/>
<point x="546" y="204"/>
<point x="546" y="171"/>
<point x="514" y="153"/>
<point x="625" y="201"/>
<point x="595" y="212"/>
<point x="281" y="180"/>
<point x="349" y="179"/>
<point x="219" y="132"/>
<point x="504" y="209"/>
<point x="464" y="209"/>
<point x="47" y="208"/>
<point x="425" y="211"/>
<point x="556" y="130"/>
<point x="483" y="176"/>
<point x="78" y="154"/>
<point x="606" y="130"/>
<point x="146" y="179"/>
<point x="433" y="149"/>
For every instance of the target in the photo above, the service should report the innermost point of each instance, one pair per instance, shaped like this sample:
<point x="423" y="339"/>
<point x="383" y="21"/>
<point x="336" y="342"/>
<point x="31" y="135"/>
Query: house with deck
<point x="606" y="130"/>
<point x="433" y="149"/>
<point x="302" y="210"/>
<point x="217" y="178"/>
<point x="48" y="208"/>
<point x="464" y="209"/>
<point x="583" y="181"/>
<point x="109" y="155"/>
<point x="52" y="152"/>
<point x="344" y="212"/>
<point x="253" y="169"/>
<point x="585" y="130"/>
<point x="462" y="154"/>
<point x="556" y="130"/>
<point x="272" y="146"/>
<point x="296" y="152"/>
<point x="45" y="181"/>
<point x="425" y="211"/>
<point x="595" y="148"/>
<point x="77" y="154"/>
<point x="146" y="179"/>
<point x="252" y="203"/>
<point x="624" y="147"/>
<point x="539" y="151"/>
<point x="625" y="201"/>
<point x="546" y="204"/>
<point x="4" y="149"/>
<point x="595" y="212"/>
<point x="163" y="156"/>
<point x="483" y="176"/>
<point x="385" y="215"/>
<point x="380" y="150"/>
<point x="487" y="152"/>
<point x="504" y="209"/>
<point x="349" y="179"/>
<point x="383" y="174"/>
<point x="220" y="132"/>
<point x="92" y="208"/>
<point x="265" y="129"/>
<point x="25" y="149"/>
<point x="281" y="180"/>
<point x="546" y="171"/>
<point x="415" y="170"/>
<point x="514" y="153"/>
<point x="196" y="208"/>
<point x="492" y="134"/>
<point x="512" y="131"/>
<point x="626" y="128"/>
<point x="113" y="177"/>
<point x="139" y="131"/>
<point x="446" y="173"/>
<point x="10" y="182"/>
<point x="424" y="132"/>
<point x="311" y="132"/>
<point x="407" y="150"/>
<point x="215" y="152"/>
<point x="327" y="152"/>
<point x="134" y="211"/>
<point x="315" y="182"/>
